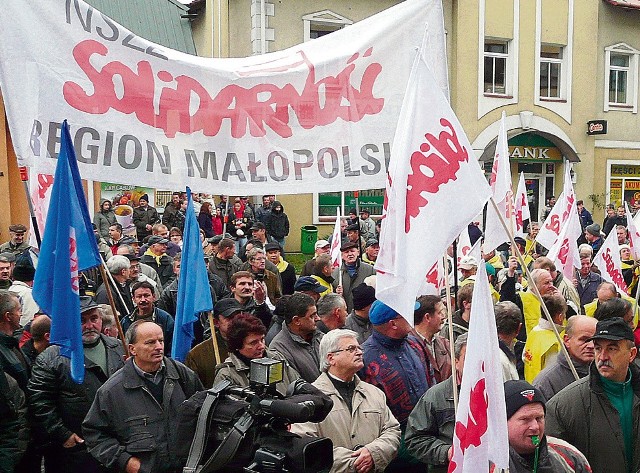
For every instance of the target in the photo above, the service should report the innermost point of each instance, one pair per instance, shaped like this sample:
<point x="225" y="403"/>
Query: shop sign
<point x="625" y="171"/>
<point x="534" y="153"/>
<point x="597" y="127"/>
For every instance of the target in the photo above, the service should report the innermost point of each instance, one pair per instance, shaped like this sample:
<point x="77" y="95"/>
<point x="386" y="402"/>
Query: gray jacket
<point x="126" y="421"/>
<point x="359" y="325"/>
<point x="363" y="271"/>
<point x="582" y="415"/>
<point x="429" y="432"/>
<point x="557" y="376"/>
<point x="302" y="355"/>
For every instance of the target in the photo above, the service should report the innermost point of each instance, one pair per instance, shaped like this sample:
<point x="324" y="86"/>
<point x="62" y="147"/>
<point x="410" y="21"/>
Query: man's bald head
<point x="576" y="338"/>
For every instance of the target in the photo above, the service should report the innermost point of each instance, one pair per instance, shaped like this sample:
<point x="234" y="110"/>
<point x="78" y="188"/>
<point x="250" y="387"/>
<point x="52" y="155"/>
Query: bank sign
<point x="320" y="116"/>
<point x="534" y="154"/>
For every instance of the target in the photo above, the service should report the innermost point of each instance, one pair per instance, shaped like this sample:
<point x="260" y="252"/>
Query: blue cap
<point x="380" y="313"/>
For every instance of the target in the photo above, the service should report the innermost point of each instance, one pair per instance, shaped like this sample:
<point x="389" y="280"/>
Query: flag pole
<point x="454" y="375"/>
<point x="535" y="291"/>
<point x="214" y="340"/>
<point x="24" y="177"/>
<point x="113" y="308"/>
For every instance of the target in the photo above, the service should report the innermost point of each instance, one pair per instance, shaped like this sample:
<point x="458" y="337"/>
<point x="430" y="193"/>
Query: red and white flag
<point x="480" y="433"/>
<point x="435" y="187"/>
<point x="564" y="252"/>
<point x="608" y="262"/>
<point x="633" y="233"/>
<point x="336" y="243"/>
<point x="464" y="244"/>
<point x="521" y="208"/>
<point x="434" y="282"/>
<point x="552" y="226"/>
<point x="494" y="232"/>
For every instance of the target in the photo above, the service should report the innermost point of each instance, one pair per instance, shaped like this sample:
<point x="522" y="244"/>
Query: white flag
<point x="608" y="262"/>
<point x="435" y="188"/>
<point x="634" y="234"/>
<point x="434" y="282"/>
<point x="521" y="208"/>
<point x="336" y="242"/>
<point x="564" y="252"/>
<point x="464" y="244"/>
<point x="480" y="433"/>
<point x="552" y="226"/>
<point x="494" y="232"/>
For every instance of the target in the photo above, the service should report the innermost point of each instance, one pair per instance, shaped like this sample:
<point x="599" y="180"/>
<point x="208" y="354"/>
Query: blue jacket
<point x="160" y="317"/>
<point x="400" y="369"/>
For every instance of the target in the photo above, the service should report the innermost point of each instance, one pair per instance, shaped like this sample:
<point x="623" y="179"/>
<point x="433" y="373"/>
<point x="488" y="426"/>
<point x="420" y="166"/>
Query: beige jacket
<point x="371" y="424"/>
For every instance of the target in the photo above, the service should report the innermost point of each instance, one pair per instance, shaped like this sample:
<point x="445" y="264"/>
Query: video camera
<point x="244" y="430"/>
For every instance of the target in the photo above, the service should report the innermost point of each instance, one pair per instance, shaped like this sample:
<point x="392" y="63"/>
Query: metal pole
<point x="24" y="177"/>
<point x="454" y="375"/>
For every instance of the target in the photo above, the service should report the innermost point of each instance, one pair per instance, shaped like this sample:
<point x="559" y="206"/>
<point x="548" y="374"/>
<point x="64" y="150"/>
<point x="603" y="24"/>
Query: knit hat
<point x="593" y="229"/>
<point x="144" y="197"/>
<point x="380" y="313"/>
<point x="24" y="272"/>
<point x="518" y="393"/>
<point x="363" y="295"/>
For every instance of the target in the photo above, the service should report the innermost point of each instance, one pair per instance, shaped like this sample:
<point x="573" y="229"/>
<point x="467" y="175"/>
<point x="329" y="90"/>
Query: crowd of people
<point x="391" y="384"/>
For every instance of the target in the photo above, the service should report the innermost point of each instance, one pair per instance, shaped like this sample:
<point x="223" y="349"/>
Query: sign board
<point x="597" y="127"/>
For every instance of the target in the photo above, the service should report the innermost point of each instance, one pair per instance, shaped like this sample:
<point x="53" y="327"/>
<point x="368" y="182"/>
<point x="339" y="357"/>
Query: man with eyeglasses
<point x="364" y="432"/>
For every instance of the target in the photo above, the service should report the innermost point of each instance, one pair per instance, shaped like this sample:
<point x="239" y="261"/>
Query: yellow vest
<point x="590" y="308"/>
<point x="531" y="309"/>
<point x="324" y="284"/>
<point x="541" y="343"/>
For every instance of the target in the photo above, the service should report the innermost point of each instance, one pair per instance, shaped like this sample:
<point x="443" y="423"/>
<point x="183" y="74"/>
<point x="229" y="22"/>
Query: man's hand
<point x="133" y="465"/>
<point x="72" y="441"/>
<point x="575" y="282"/>
<point x="259" y="292"/>
<point x="450" y="452"/>
<point x="364" y="462"/>
<point x="339" y="290"/>
<point x="148" y="227"/>
<point x="512" y="265"/>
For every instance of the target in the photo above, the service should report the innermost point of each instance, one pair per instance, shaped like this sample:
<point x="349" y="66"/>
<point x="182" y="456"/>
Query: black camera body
<point x="244" y="430"/>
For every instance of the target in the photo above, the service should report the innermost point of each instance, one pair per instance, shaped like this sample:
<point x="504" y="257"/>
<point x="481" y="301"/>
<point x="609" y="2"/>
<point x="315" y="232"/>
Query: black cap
<point x="365" y="211"/>
<point x="131" y="257"/>
<point x="128" y="240"/>
<point x="272" y="245"/>
<point x="371" y="242"/>
<point x="86" y="304"/>
<point x="157" y="239"/>
<point x="352" y="228"/>
<point x="308" y="283"/>
<point x="520" y="241"/>
<point x="614" y="328"/>
<point x="258" y="226"/>
<point x="227" y="307"/>
<point x="7" y="257"/>
<point x="347" y="245"/>
<point x="24" y="272"/>
<point x="215" y="240"/>
<point x="518" y="393"/>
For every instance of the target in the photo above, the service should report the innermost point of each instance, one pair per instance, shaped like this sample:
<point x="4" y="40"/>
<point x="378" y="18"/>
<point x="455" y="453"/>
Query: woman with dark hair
<point x="218" y="222"/>
<point x="205" y="219"/>
<point x="616" y="307"/>
<point x="245" y="340"/>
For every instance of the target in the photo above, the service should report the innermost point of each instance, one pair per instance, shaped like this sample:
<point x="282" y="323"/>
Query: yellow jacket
<point x="541" y="345"/>
<point x="324" y="284"/>
<point x="531" y="309"/>
<point x="590" y="308"/>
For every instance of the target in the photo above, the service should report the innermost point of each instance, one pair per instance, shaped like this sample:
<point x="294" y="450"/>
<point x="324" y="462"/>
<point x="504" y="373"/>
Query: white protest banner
<point x="521" y="208"/>
<point x="564" y="252"/>
<point x="552" y="226"/>
<point x="633" y="233"/>
<point x="494" y="232"/>
<point x="317" y="117"/>
<point x="608" y="262"/>
<point x="435" y="188"/>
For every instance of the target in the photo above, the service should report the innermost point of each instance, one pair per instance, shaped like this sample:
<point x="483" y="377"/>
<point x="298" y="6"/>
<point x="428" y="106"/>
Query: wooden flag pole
<point x="113" y="308"/>
<point x="454" y="375"/>
<point x="535" y="291"/>
<point x="214" y="340"/>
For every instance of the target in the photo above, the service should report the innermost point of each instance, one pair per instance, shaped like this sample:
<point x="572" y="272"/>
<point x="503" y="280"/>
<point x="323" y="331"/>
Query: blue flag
<point x="68" y="246"/>
<point x="194" y="293"/>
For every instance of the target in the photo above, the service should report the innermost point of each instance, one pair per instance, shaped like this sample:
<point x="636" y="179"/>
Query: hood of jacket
<point x="275" y="204"/>
<point x="102" y="209"/>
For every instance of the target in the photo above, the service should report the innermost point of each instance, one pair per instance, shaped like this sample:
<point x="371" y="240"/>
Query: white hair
<point x="331" y="342"/>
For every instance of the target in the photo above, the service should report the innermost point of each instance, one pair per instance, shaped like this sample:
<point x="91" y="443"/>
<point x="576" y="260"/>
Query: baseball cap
<point x="227" y="307"/>
<point x="468" y="262"/>
<point x="131" y="257"/>
<point x="7" y="257"/>
<point x="322" y="244"/>
<point x="371" y="242"/>
<point x="347" y="245"/>
<point x="258" y="226"/>
<point x="353" y="227"/>
<point x="308" y="283"/>
<point x="614" y="328"/>
<point x="518" y="393"/>
<point x="380" y="313"/>
<point x="157" y="239"/>
<point x="365" y="211"/>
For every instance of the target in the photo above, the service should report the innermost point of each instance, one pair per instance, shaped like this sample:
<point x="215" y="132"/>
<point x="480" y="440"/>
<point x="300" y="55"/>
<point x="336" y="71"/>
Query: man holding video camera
<point x="364" y="432"/>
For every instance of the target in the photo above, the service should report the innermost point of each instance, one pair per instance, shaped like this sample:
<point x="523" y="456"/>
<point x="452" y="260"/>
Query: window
<point x="550" y="72"/>
<point x="322" y="23"/>
<point x="621" y="78"/>
<point x="496" y="54"/>
<point x="327" y="202"/>
<point x="618" y="78"/>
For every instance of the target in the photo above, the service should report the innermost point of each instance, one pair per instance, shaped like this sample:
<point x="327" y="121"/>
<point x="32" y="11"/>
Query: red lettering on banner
<point x="432" y="275"/>
<point x="73" y="255"/>
<point x="615" y="273"/>
<point x="555" y="221"/>
<point x="564" y="252"/>
<point x="494" y="174"/>
<point x="45" y="181"/>
<point x="321" y="102"/>
<point x="443" y="164"/>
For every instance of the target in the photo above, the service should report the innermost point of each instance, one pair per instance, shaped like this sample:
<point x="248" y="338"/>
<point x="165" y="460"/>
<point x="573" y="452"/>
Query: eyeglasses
<point x="351" y="349"/>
